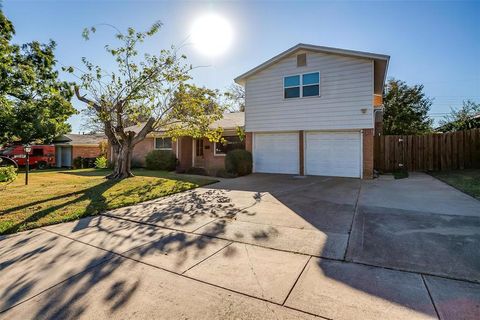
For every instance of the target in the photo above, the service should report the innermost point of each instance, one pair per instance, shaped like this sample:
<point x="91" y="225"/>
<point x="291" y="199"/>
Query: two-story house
<point x="309" y="111"/>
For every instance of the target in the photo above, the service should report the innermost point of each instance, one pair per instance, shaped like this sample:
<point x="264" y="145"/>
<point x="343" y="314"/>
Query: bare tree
<point x="235" y="98"/>
<point x="143" y="95"/>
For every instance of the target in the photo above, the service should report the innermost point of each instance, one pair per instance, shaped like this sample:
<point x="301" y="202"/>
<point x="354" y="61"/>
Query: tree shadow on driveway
<point x="38" y="260"/>
<point x="288" y="218"/>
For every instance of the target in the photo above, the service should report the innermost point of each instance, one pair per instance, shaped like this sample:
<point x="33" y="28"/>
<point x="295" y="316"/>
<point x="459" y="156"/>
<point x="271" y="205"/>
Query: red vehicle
<point x="41" y="156"/>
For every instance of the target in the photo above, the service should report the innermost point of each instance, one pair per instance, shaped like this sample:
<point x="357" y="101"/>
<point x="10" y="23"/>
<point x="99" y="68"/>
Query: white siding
<point x="346" y="87"/>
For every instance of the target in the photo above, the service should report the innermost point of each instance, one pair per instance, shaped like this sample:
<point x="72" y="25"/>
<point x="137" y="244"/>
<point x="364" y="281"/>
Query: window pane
<point x="232" y="143"/>
<point x="311" y="78"/>
<point x="292" y="92"/>
<point x="163" y="143"/>
<point x="309" y="91"/>
<point x="291" y="81"/>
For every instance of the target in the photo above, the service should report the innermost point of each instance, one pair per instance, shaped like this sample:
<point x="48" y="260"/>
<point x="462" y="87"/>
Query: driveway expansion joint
<point x="296" y="280"/>
<point x="208" y="257"/>
<point x="430" y="296"/>
<point x="355" y="211"/>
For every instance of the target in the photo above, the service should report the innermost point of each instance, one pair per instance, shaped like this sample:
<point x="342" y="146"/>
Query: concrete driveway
<point x="262" y="246"/>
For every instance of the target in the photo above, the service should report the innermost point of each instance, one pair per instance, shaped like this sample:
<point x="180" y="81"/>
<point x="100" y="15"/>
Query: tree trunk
<point x="123" y="149"/>
<point x="123" y="161"/>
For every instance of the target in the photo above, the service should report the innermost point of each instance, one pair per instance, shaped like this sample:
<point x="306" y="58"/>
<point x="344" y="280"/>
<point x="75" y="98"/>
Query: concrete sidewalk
<point x="106" y="267"/>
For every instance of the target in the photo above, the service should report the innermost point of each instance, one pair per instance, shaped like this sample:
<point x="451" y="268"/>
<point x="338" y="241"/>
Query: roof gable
<point x="380" y="62"/>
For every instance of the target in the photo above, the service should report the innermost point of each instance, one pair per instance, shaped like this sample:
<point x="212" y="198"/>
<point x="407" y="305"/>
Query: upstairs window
<point x="291" y="87"/>
<point x="163" y="143"/>
<point x="305" y="85"/>
<point x="311" y="84"/>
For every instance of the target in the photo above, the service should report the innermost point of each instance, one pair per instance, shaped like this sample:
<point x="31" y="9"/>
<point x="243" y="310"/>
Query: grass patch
<point x="55" y="196"/>
<point x="467" y="180"/>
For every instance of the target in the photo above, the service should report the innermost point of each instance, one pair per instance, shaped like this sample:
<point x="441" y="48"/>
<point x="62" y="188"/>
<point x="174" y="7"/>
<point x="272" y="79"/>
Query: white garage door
<point x="333" y="154"/>
<point x="276" y="153"/>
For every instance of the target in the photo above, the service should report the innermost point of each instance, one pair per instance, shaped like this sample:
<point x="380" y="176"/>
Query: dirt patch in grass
<point x="467" y="180"/>
<point x="57" y="196"/>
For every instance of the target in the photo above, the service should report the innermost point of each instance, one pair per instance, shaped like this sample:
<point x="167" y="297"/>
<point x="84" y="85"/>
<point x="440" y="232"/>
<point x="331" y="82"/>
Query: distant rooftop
<point x="80" y="139"/>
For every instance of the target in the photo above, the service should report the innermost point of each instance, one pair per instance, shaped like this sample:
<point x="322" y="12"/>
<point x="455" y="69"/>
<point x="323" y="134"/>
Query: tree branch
<point x="83" y="98"/>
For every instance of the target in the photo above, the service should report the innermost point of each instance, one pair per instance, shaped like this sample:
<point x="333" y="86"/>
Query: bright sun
<point x="211" y="34"/>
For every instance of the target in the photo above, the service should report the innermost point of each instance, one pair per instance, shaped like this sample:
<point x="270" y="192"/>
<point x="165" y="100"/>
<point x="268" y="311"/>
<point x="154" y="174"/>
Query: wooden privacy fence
<point x="434" y="152"/>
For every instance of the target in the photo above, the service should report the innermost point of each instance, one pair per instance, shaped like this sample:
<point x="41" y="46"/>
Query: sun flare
<point x="211" y="34"/>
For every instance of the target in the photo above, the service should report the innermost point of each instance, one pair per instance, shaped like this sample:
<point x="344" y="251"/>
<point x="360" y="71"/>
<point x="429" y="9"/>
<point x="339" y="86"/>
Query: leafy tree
<point x="145" y="94"/>
<point x="235" y="98"/>
<point x="464" y="118"/>
<point x="406" y="109"/>
<point x="34" y="104"/>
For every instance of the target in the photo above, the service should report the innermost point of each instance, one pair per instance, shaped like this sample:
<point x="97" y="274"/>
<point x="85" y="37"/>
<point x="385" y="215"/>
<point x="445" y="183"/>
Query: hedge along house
<point x="312" y="110"/>
<point x="198" y="153"/>
<point x="71" y="146"/>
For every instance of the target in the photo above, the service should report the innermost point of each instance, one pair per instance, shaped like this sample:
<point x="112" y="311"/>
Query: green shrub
<point x="161" y="160"/>
<point x="81" y="163"/>
<point x="101" y="162"/>
<point x="77" y="163"/>
<point x="8" y="173"/>
<point x="88" y="162"/>
<point x="239" y="162"/>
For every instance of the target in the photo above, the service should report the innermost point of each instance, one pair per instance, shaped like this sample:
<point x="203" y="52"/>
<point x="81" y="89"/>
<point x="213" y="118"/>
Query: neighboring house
<point x="70" y="146"/>
<point x="194" y="152"/>
<point x="311" y="111"/>
<point x="467" y="123"/>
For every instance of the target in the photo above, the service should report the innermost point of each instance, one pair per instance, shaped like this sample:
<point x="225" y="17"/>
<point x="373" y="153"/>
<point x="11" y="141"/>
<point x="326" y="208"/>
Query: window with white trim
<point x="230" y="143"/>
<point x="302" y="85"/>
<point x="163" y="143"/>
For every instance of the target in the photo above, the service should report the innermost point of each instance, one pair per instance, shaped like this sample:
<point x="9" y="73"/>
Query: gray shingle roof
<point x="229" y="121"/>
<point x="80" y="139"/>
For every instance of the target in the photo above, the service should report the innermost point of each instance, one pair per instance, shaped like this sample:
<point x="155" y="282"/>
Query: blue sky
<point x="432" y="43"/>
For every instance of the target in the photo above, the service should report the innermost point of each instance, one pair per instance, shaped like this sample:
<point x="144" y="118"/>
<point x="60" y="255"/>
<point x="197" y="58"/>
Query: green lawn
<point x="54" y="196"/>
<point x="467" y="180"/>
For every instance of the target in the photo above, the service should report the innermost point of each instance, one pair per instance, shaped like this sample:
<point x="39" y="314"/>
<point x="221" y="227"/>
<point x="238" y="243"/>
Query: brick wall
<point x="367" y="153"/>
<point x="248" y="141"/>
<point x="85" y="151"/>
<point x="212" y="163"/>
<point x="141" y="150"/>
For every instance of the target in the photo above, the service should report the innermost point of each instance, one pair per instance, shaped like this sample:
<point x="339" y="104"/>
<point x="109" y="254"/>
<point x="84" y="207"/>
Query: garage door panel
<point x="333" y="154"/>
<point x="276" y="153"/>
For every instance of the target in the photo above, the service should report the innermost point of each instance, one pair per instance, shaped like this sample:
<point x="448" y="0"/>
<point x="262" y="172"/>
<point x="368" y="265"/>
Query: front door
<point x="199" y="160"/>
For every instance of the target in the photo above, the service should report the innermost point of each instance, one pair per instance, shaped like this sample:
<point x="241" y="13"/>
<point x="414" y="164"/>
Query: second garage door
<point x="276" y="153"/>
<point x="333" y="154"/>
